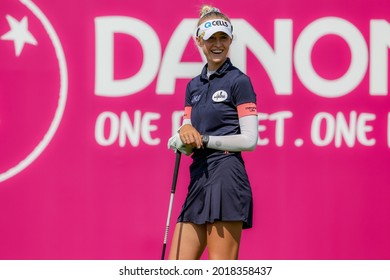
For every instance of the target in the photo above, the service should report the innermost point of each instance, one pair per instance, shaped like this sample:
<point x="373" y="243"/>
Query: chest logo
<point x="220" y="96"/>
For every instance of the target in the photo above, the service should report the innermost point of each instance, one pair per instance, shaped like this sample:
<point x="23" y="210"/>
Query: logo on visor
<point x="216" y="23"/>
<point x="220" y="96"/>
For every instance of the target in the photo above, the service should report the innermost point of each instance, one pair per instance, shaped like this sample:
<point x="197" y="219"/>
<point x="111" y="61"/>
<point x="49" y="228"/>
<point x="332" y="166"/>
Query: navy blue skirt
<point x="219" y="190"/>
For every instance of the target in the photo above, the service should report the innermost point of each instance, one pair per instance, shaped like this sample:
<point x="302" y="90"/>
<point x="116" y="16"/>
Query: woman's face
<point x="216" y="49"/>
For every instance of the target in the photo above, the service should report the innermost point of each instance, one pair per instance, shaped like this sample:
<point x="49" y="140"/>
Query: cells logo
<point x="33" y="85"/>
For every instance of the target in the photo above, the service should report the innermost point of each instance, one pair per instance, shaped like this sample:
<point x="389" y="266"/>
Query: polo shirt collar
<point x="220" y="71"/>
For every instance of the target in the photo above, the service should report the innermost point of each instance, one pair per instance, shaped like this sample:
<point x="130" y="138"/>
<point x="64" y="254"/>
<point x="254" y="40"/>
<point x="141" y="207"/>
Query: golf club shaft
<point x="173" y="190"/>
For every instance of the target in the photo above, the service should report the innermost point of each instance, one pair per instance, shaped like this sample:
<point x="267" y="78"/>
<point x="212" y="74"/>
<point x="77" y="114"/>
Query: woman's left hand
<point x="190" y="136"/>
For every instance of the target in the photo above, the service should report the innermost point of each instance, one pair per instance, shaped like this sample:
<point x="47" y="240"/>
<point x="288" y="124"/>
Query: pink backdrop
<point x="84" y="168"/>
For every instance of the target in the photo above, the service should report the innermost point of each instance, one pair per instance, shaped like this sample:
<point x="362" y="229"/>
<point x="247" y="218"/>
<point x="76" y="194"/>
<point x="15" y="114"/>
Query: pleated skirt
<point x="219" y="192"/>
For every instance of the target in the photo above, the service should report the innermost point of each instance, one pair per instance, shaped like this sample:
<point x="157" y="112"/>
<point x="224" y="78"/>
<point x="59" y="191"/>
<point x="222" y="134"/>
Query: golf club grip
<point x="176" y="171"/>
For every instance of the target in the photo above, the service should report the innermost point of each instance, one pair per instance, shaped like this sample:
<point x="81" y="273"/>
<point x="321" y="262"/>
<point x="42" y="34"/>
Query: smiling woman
<point x="220" y="121"/>
<point x="214" y="36"/>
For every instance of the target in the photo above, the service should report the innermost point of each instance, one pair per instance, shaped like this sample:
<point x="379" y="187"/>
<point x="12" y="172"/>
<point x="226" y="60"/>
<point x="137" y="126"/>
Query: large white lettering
<point x="379" y="43"/>
<point x="111" y="128"/>
<point x="338" y="129"/>
<point x="278" y="61"/>
<point x="171" y="66"/>
<point x="279" y="119"/>
<point x="304" y="67"/>
<point x="105" y="28"/>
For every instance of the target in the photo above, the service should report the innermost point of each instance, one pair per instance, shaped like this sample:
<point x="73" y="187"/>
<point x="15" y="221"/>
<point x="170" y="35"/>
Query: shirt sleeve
<point x="243" y="91"/>
<point x="188" y="96"/>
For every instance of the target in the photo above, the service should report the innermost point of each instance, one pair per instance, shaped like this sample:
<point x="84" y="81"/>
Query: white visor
<point x="208" y="28"/>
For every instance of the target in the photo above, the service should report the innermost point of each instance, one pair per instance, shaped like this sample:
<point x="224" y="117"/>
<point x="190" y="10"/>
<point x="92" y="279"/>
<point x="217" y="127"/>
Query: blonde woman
<point x="220" y="121"/>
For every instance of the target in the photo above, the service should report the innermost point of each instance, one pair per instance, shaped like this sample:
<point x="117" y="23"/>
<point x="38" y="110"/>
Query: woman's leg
<point x="223" y="240"/>
<point x="188" y="242"/>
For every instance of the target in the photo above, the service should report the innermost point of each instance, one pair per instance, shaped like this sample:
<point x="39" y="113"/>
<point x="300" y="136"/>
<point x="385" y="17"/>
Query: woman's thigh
<point x="223" y="240"/>
<point x="188" y="242"/>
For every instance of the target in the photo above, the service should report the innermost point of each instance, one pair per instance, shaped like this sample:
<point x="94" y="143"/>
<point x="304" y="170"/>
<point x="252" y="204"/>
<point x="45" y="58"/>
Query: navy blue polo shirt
<point x="212" y="103"/>
<point x="214" y="100"/>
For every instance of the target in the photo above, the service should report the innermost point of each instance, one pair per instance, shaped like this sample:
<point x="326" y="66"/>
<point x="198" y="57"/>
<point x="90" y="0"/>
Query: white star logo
<point x="19" y="34"/>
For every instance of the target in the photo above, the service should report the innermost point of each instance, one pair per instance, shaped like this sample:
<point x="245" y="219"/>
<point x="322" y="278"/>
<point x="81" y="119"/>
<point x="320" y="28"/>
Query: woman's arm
<point x="246" y="141"/>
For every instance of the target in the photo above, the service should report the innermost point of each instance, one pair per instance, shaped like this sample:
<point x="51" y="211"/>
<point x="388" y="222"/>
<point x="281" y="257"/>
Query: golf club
<point x="173" y="189"/>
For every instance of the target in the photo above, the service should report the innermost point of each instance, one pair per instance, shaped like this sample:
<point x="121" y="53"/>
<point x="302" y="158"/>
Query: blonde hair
<point x="209" y="12"/>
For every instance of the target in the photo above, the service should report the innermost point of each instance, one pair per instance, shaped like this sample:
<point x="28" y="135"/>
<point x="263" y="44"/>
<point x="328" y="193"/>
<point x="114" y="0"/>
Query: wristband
<point x="205" y="140"/>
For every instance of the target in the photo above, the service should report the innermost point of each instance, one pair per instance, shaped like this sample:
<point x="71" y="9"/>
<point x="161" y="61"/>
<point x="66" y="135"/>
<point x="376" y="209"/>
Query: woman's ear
<point x="198" y="41"/>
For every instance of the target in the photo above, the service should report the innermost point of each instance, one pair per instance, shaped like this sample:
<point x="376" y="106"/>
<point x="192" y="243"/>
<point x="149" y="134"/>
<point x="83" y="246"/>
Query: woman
<point x="220" y="121"/>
